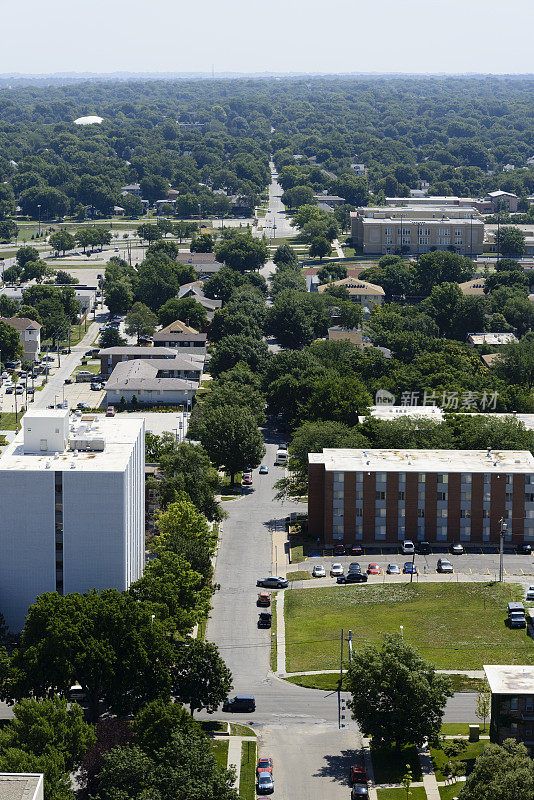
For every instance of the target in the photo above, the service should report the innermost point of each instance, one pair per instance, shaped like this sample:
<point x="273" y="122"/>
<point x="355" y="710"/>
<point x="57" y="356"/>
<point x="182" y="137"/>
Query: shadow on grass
<point x="390" y="765"/>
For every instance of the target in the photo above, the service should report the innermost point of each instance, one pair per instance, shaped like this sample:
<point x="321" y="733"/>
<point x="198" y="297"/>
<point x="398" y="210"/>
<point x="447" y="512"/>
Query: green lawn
<point x="240" y="730"/>
<point x="453" y="625"/>
<point x="297" y="554"/>
<point x="298" y="575"/>
<point x="221" y="752"/>
<point x="416" y="793"/>
<point x="466" y="758"/>
<point x="92" y="366"/>
<point x="451" y="791"/>
<point x="389" y="766"/>
<point x="247" y="778"/>
<point x="462" y="728"/>
<point x="326" y="681"/>
<point x="274" y="652"/>
<point x="463" y="683"/>
<point x="7" y="421"/>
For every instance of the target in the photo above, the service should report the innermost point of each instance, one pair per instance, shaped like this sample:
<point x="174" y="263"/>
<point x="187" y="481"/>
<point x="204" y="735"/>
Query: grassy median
<point x="453" y="625"/>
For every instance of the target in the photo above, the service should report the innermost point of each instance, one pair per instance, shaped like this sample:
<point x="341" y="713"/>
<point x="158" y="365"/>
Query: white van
<point x="281" y="456"/>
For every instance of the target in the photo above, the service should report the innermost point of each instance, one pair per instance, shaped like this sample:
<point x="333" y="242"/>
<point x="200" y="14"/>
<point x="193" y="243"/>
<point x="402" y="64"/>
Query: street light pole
<point x="502" y="532"/>
<point x="39" y="207"/>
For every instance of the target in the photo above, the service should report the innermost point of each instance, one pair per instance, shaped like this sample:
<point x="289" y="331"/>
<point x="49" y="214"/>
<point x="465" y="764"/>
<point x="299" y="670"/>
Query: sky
<point x="317" y="36"/>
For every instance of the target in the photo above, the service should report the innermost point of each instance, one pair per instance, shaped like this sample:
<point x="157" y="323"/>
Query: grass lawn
<point x="7" y="421"/>
<point x="241" y="730"/>
<point x="298" y="575"/>
<point x="274" y="652"/>
<point x="389" y="766"/>
<point x="463" y="683"/>
<point x="416" y="793"/>
<point x="466" y="759"/>
<point x="92" y="366"/>
<point x="462" y="728"/>
<point x="453" y="625"/>
<point x="221" y="752"/>
<point x="211" y="726"/>
<point x="247" y="778"/>
<point x="297" y="554"/>
<point x="326" y="681"/>
<point x="451" y="791"/>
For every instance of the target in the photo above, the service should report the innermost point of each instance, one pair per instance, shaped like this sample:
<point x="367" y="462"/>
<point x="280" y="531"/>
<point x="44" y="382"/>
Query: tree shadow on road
<point x="337" y="766"/>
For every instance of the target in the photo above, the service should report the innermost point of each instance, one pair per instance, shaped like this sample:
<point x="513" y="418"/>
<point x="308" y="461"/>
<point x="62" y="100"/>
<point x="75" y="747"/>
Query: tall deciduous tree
<point x="397" y="697"/>
<point x="140" y="321"/>
<point x="235" y="348"/>
<point x="505" y="771"/>
<point x="242" y="252"/>
<point x="510" y="241"/>
<point x="61" y="241"/>
<point x="200" y="678"/>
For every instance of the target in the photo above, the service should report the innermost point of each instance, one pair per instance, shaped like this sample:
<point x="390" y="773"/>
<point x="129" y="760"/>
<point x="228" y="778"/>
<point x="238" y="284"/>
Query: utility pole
<point x="413" y="565"/>
<point x="502" y="532"/>
<point x="341" y="660"/>
<point x="350" y="646"/>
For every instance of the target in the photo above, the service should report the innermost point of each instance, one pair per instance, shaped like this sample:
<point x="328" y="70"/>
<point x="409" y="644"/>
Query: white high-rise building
<point x="72" y="508"/>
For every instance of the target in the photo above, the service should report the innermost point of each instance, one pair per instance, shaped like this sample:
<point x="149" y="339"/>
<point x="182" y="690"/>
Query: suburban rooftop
<point x="19" y="785"/>
<point x="510" y="679"/>
<point x="382" y="460"/>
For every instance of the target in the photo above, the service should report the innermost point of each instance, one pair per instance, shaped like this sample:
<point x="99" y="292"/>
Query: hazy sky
<point x="273" y="36"/>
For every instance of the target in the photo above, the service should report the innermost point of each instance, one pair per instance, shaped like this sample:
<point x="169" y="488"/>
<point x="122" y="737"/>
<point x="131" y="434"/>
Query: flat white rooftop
<point x="120" y="434"/>
<point x="341" y="460"/>
<point x="21" y="785"/>
<point x="510" y="679"/>
<point x="392" y="412"/>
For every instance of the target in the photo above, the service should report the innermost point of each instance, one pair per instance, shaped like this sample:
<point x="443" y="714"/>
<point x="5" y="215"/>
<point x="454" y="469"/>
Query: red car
<point x="358" y="775"/>
<point x="265" y="764"/>
<point x="264" y="599"/>
<point x="110" y="412"/>
<point x="340" y="550"/>
<point x="374" y="569"/>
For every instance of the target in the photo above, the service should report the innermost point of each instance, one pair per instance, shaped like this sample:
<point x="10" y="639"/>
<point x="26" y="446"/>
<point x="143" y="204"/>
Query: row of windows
<point x="466" y="477"/>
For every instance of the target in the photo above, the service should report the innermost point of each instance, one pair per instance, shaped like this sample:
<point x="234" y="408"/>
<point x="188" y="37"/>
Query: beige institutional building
<point x="416" y="230"/>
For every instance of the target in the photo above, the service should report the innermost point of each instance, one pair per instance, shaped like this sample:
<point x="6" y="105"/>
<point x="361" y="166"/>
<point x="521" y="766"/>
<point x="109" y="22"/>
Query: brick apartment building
<point x="384" y="496"/>
<point x="512" y="703"/>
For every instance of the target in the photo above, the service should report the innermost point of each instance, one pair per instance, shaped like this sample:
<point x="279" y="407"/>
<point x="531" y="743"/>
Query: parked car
<point x="444" y="565"/>
<point x="264" y="470"/>
<point x="264" y="619"/>
<point x="273" y="582"/>
<point x="241" y="702"/>
<point x="30" y="390"/>
<point x="354" y="566"/>
<point x="358" y="792"/>
<point x="264" y="599"/>
<point x="247" y="480"/>
<point x="95" y="387"/>
<point x="318" y="571"/>
<point x="83" y="406"/>
<point x="68" y="380"/>
<point x="246" y="473"/>
<point x="393" y="569"/>
<point x="516" y="615"/>
<point x="19" y="389"/>
<point x="265" y="782"/>
<point x="340" y="550"/>
<point x="336" y="570"/>
<point x="407" y="548"/>
<point x="423" y="548"/>
<point x="457" y="549"/>
<point x="358" y="774"/>
<point x="265" y="764"/>
<point x="110" y="411"/>
<point x="410" y="568"/>
<point x="353" y="577"/>
<point x="356" y="550"/>
<point x="373" y="569"/>
<point x="9" y="389"/>
<point x="525" y="549"/>
<point x="530" y="593"/>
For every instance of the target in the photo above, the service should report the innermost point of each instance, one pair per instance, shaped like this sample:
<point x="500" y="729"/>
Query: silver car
<point x="265" y="782"/>
<point x="336" y="570"/>
<point x="393" y="569"/>
<point x="319" y="571"/>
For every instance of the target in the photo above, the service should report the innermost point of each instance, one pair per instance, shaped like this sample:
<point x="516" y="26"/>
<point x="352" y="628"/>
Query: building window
<point x="380" y="495"/>
<point x="444" y="231"/>
<point x="444" y="239"/>
<point x="422" y="477"/>
<point x="359" y="512"/>
<point x="401" y="495"/>
<point x="465" y="513"/>
<point x="420" y="512"/>
<point x="509" y="497"/>
<point x="514" y="704"/>
<point x="442" y="512"/>
<point x="388" y="231"/>
<point x="442" y="495"/>
<point x="458" y="232"/>
<point x="423" y="232"/>
<point x="339" y="477"/>
<point x="458" y="240"/>
<point x="424" y="240"/>
<point x="389" y="239"/>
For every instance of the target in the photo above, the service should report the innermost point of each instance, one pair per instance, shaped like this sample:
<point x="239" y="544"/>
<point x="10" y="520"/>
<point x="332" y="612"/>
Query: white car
<point x="319" y="571"/>
<point x="530" y="593"/>
<point x="336" y="570"/>
<point x="407" y="547"/>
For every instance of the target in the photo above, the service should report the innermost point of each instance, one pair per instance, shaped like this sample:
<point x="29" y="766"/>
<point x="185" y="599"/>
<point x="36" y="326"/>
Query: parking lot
<point x="472" y="563"/>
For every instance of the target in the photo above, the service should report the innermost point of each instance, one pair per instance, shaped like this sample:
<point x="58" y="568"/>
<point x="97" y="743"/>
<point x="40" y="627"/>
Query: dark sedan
<point x="353" y="577"/>
<point x="410" y="568"/>
<point x="273" y="582"/>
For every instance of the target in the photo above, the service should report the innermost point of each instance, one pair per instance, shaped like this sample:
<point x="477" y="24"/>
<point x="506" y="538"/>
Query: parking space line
<point x="489" y="573"/>
<point x="522" y="570"/>
<point x="505" y="572"/>
<point x="470" y="571"/>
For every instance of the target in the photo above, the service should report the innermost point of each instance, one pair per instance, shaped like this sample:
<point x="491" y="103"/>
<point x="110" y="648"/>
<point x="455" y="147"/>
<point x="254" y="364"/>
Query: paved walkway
<point x="337" y="247"/>
<point x="280" y="635"/>
<point x="234" y="757"/>
<point x="429" y="778"/>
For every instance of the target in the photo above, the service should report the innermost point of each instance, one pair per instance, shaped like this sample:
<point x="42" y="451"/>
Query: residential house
<point x="29" y="334"/>
<point x="512" y="703"/>
<point x="180" y="336"/>
<point x="150" y="383"/>
<point x="194" y="290"/>
<point x="473" y="288"/>
<point x="332" y="200"/>
<point x="362" y="292"/>
<point x="171" y="364"/>
<point x="493" y="339"/>
<point x="354" y="335"/>
<point x="132" y="188"/>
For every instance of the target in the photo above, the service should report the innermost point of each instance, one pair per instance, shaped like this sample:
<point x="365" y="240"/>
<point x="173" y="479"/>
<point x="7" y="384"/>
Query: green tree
<point x="505" y="771"/>
<point x="133" y="206"/>
<point x="149" y="232"/>
<point x="140" y="321"/>
<point x="45" y="726"/>
<point x="200" y="678"/>
<point x="320" y="247"/>
<point x="186" y="309"/>
<point x="483" y="706"/>
<point x="242" y="252"/>
<point x="61" y="241"/>
<point x="332" y="272"/>
<point x="231" y="438"/>
<point x="106" y="642"/>
<point x="8" y="230"/>
<point x="118" y="297"/>
<point x="28" y="312"/>
<point x="202" y="244"/>
<point x="36" y="271"/>
<point x="110" y="337"/>
<point x="156" y="724"/>
<point x="174" y="591"/>
<point x="397" y="697"/>
<point x="285" y="256"/>
<point x="289" y="322"/>
<point x="10" y="344"/>
<point x="165" y="225"/>
<point x="186" y="468"/>
<point x="298" y="196"/>
<point x="516" y="362"/>
<point x="66" y="278"/>
<point x="180" y="519"/>
<point x="25" y="254"/>
<point x="235" y="349"/>
<point x="510" y="241"/>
